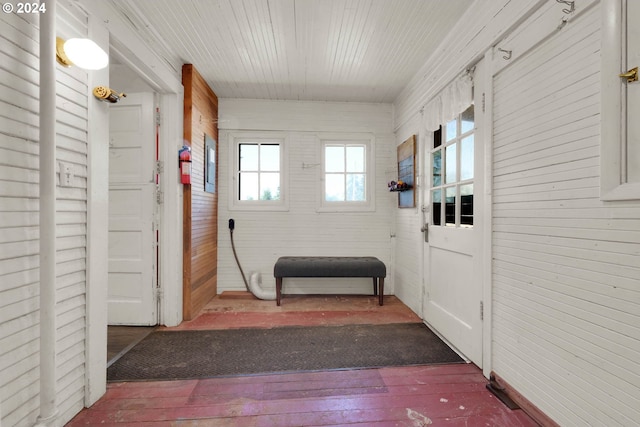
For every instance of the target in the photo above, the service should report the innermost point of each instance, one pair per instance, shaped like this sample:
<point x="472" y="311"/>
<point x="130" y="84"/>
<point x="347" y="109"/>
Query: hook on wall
<point x="507" y="53"/>
<point x="571" y="4"/>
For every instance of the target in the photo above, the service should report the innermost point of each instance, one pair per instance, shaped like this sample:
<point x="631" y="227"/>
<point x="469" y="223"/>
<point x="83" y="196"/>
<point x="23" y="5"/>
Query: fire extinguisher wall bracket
<point x="184" y="162"/>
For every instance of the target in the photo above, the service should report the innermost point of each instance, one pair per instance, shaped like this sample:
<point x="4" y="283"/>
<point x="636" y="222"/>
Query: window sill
<point x="622" y="192"/>
<point x="342" y="208"/>
<point x="259" y="207"/>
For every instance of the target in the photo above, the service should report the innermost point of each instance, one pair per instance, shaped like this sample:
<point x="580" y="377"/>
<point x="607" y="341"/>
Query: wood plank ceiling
<point x="320" y="50"/>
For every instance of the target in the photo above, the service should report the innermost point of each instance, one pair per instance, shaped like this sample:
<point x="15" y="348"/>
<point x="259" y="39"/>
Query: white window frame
<point x="613" y="185"/>
<point x="368" y="141"/>
<point x="235" y="139"/>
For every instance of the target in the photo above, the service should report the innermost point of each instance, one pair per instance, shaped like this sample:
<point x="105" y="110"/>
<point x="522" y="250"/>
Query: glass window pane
<point x="452" y="129"/>
<point x="466" y="158"/>
<point x="450" y="163"/>
<point x="269" y="186"/>
<point x="334" y="158"/>
<point x="437" y="138"/>
<point x="248" y="157"/>
<point x="334" y="187"/>
<point x="467" y="120"/>
<point x="355" y="159"/>
<point x="436" y="209"/>
<point x="248" y="182"/>
<point x="436" y="161"/>
<point x="466" y="204"/>
<point x="269" y="157"/>
<point x="450" y="206"/>
<point x="355" y="188"/>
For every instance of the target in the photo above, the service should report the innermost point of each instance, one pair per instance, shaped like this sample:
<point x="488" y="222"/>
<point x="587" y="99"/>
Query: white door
<point x="453" y="241"/>
<point x="132" y="209"/>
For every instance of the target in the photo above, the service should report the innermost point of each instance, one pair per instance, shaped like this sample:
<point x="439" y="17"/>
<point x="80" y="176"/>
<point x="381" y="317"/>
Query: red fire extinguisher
<point x="184" y="156"/>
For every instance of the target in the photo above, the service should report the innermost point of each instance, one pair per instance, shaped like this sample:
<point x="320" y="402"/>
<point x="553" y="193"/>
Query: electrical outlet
<point x="66" y="174"/>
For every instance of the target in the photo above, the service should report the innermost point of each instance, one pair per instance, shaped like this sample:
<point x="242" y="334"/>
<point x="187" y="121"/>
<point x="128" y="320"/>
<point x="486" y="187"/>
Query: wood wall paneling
<point x="200" y="209"/>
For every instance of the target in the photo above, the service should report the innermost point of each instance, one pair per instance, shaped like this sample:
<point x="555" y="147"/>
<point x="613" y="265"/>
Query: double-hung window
<point x="259" y="175"/>
<point x="347" y="174"/>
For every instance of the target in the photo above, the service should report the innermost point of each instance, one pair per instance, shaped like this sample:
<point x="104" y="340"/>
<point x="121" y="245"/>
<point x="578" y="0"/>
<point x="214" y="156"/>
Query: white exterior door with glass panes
<point x="453" y="269"/>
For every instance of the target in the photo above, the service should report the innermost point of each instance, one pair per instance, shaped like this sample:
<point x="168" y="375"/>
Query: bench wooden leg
<point x="375" y="286"/>
<point x="381" y="290"/>
<point x="278" y="290"/>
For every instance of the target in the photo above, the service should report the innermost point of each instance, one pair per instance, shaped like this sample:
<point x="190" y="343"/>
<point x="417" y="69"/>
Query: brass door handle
<point x="631" y="75"/>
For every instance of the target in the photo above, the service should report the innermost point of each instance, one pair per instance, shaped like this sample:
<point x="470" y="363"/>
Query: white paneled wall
<point x="480" y="27"/>
<point x="19" y="247"/>
<point x="566" y="269"/>
<point x="566" y="266"/>
<point x="483" y="23"/>
<point x="263" y="236"/>
<point x="408" y="241"/>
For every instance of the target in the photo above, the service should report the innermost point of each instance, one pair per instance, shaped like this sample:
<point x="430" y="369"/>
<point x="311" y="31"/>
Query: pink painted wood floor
<point x="445" y="395"/>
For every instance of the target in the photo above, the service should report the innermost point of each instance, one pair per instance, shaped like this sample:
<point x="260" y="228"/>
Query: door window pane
<point x="436" y="161"/>
<point x="450" y="164"/>
<point x="467" y="120"/>
<point x="436" y="201"/>
<point x="437" y="138"/>
<point x="466" y="158"/>
<point x="466" y="204"/>
<point x="450" y="206"/>
<point x="452" y="130"/>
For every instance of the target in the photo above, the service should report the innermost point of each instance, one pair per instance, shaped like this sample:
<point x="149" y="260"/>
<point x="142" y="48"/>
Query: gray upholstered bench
<point x="321" y="266"/>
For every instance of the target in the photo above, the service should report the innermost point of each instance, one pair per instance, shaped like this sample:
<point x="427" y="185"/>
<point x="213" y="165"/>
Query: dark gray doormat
<point x="201" y="354"/>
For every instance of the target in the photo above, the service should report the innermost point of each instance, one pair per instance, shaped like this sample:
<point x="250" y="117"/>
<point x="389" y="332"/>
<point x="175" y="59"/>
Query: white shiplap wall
<point x="262" y="237"/>
<point x="566" y="270"/>
<point x="482" y="24"/>
<point x="478" y="29"/>
<point x="19" y="287"/>
<point x="408" y="242"/>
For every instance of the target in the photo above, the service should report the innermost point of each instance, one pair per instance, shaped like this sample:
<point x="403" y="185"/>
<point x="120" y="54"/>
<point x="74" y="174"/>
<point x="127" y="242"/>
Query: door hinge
<point x="159" y="167"/>
<point x="159" y="196"/>
<point x="158" y="117"/>
<point x="481" y="310"/>
<point x="483" y="101"/>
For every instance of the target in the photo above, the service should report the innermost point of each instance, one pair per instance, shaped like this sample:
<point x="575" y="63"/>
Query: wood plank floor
<point x="445" y="395"/>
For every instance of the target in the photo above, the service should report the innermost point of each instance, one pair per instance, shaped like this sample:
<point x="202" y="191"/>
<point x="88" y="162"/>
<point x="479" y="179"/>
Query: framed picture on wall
<point x="209" y="164"/>
<point x="407" y="173"/>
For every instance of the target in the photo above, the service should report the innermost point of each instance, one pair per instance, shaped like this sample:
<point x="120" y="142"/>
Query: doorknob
<point x="425" y="230"/>
<point x="631" y="75"/>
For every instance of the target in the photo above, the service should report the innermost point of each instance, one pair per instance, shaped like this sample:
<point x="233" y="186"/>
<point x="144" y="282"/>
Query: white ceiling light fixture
<point x="83" y="53"/>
